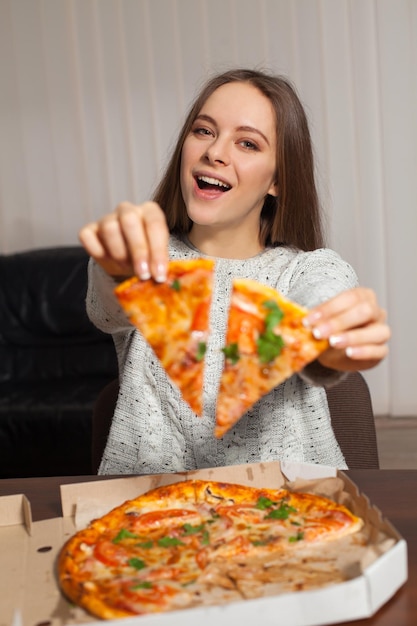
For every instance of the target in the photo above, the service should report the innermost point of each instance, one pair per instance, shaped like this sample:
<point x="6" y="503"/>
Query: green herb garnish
<point x="298" y="537"/>
<point x="176" y="284"/>
<point x="274" y="316"/>
<point x="264" y="503"/>
<point x="145" y="584"/>
<point x="201" y="351"/>
<point x="231" y="352"/>
<point x="283" y="512"/>
<point x="167" y="542"/>
<point x="189" y="529"/>
<point x="205" y="540"/>
<point x="136" y="563"/>
<point x="268" y="343"/>
<point x="124" y="534"/>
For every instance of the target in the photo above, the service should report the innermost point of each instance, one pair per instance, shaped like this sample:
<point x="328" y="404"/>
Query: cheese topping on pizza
<point x="177" y="546"/>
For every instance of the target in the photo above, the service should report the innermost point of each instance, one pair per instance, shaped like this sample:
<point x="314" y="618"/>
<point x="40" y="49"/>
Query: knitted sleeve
<point x="102" y="306"/>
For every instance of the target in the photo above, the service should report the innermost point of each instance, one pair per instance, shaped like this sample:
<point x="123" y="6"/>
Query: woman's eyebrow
<point x="250" y="129"/>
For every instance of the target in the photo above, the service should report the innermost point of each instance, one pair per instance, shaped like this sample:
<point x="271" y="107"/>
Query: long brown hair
<point x="294" y="217"/>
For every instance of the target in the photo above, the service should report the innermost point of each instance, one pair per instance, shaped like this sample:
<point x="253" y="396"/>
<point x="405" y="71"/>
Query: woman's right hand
<point x="131" y="240"/>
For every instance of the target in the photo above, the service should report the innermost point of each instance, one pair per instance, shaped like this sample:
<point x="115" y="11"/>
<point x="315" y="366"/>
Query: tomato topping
<point x="133" y="594"/>
<point x="201" y="317"/>
<point x="163" y="518"/>
<point x="244" y="512"/>
<point x="244" y="329"/>
<point x="110" y="553"/>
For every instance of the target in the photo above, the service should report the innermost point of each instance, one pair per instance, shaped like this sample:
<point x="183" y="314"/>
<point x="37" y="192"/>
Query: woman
<point x="239" y="188"/>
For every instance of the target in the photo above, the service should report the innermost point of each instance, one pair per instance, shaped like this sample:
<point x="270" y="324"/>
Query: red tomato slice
<point x="110" y="553"/>
<point x="163" y="518"/>
<point x="201" y="317"/>
<point x="244" y="329"/>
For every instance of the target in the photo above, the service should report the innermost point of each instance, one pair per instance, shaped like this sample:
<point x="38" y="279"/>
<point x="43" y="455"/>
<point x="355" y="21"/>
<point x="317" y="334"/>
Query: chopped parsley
<point x="282" y="512"/>
<point x="298" y="537"/>
<point x="274" y="316"/>
<point x="145" y="584"/>
<point x="136" y="563"/>
<point x="231" y="352"/>
<point x="265" y="503"/>
<point x="205" y="540"/>
<point x="201" y="351"/>
<point x="176" y="284"/>
<point x="189" y="529"/>
<point x="124" y="534"/>
<point x="168" y="542"/>
<point x="269" y="344"/>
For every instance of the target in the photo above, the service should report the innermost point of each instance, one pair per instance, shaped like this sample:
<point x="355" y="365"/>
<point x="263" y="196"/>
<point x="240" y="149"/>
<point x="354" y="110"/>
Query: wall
<point x="93" y="91"/>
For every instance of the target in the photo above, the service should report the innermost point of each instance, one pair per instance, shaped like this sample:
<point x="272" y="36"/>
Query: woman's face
<point x="228" y="161"/>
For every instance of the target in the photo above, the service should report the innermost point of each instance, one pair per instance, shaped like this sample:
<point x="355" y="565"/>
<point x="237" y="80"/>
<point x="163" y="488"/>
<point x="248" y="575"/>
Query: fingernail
<point x="350" y="352"/>
<point x="317" y="334"/>
<point x="144" y="273"/>
<point x="161" y="273"/>
<point x="312" y="318"/>
<point x="336" y="341"/>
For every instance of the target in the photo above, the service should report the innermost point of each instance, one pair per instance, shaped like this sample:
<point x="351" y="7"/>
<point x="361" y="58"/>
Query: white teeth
<point x="213" y="181"/>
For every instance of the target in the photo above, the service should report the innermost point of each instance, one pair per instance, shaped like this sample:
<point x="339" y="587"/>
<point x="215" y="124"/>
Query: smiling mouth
<point x="206" y="182"/>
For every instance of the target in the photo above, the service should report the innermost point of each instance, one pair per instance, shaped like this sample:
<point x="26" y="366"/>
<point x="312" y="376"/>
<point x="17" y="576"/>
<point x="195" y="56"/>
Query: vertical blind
<point x="93" y="92"/>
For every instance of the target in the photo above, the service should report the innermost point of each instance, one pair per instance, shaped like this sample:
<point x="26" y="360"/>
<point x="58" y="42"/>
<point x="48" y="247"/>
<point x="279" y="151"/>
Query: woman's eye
<point x="201" y="131"/>
<point x="249" y="145"/>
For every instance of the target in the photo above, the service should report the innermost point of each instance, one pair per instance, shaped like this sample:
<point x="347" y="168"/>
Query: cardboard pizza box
<point x="28" y="552"/>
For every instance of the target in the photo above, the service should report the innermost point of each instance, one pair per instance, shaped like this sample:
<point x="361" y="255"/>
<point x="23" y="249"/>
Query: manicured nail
<point x="350" y="352"/>
<point x="317" y="334"/>
<point x="322" y="331"/>
<point x="336" y="341"/>
<point x="144" y="273"/>
<point x="161" y="273"/>
<point x="312" y="318"/>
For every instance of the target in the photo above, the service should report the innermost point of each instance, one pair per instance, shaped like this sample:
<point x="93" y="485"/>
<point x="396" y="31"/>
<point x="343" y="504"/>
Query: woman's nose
<point x="218" y="152"/>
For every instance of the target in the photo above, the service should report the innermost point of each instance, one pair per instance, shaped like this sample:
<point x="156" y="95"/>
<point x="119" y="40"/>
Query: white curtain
<point x="92" y="93"/>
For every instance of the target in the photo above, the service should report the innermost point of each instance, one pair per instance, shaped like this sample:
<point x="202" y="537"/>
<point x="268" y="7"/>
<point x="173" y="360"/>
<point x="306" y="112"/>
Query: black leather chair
<point x="53" y="363"/>
<point x="350" y="409"/>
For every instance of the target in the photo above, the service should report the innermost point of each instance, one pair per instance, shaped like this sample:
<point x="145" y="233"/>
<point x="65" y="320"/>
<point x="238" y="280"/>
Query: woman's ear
<point x="273" y="190"/>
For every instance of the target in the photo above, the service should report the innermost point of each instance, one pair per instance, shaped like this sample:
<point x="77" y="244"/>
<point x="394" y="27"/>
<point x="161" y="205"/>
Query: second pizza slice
<point x="266" y="342"/>
<point x="174" y="319"/>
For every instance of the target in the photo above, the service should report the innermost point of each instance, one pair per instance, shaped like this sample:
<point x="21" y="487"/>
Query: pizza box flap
<point x="29" y="551"/>
<point x="15" y="510"/>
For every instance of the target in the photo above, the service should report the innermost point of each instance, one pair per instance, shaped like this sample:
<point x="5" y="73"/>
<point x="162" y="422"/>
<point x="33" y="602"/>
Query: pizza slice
<point x="266" y="343"/>
<point x="174" y="319"/>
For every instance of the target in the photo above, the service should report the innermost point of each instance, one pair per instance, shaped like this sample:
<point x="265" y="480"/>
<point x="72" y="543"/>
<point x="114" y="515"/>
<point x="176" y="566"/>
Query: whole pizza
<point x="199" y="542"/>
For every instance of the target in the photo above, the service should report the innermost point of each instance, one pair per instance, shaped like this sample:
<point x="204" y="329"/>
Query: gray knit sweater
<point x="155" y="431"/>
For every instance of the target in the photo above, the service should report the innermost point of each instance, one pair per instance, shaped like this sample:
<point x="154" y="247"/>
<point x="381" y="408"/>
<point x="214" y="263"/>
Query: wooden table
<point x="394" y="492"/>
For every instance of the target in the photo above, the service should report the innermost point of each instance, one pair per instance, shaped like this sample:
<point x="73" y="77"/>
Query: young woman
<point x="240" y="189"/>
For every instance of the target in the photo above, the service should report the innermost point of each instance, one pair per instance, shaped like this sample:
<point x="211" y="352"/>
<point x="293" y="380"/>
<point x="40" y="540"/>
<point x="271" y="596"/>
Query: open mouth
<point x="206" y="182"/>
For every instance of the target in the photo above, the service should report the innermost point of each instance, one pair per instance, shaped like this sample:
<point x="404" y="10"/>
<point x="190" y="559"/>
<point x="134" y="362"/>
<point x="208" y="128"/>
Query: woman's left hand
<point x="356" y="328"/>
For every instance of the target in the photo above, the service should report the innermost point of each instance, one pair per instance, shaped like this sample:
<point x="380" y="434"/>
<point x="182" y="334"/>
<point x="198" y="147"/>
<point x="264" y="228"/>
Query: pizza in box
<point x="200" y="542"/>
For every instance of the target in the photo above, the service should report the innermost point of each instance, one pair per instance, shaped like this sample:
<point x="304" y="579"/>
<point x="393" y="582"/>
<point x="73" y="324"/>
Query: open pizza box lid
<point x="30" y="594"/>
